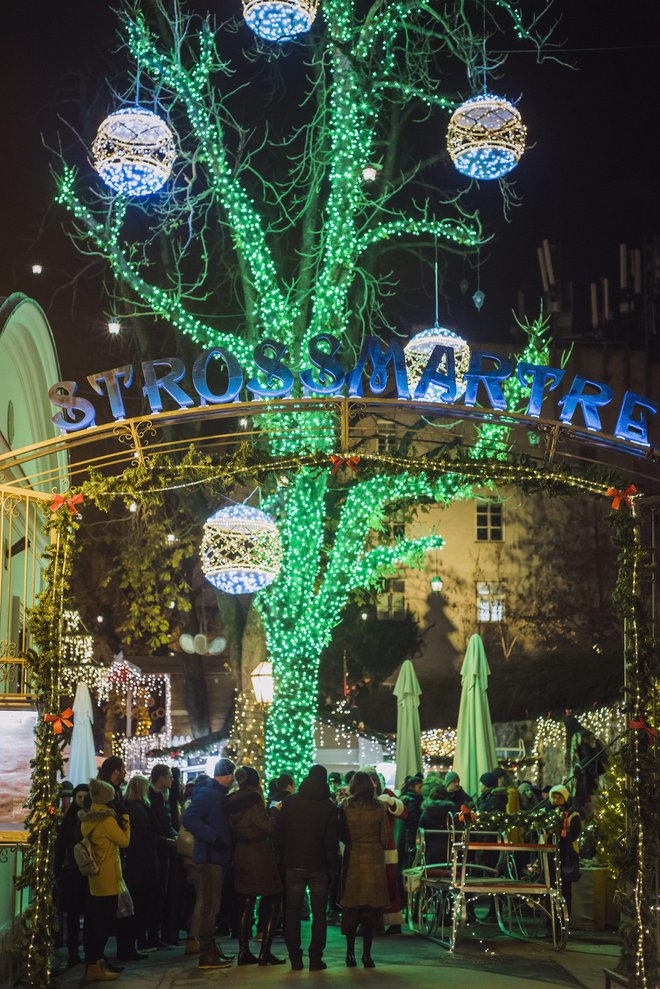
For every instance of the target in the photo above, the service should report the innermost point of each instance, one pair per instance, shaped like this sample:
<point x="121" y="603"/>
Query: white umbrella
<point x="408" y="734"/>
<point x="82" y="755"/>
<point x="475" y="742"/>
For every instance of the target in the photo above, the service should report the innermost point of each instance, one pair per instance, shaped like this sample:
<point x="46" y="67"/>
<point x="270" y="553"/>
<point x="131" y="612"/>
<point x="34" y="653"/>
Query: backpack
<point x="83" y="856"/>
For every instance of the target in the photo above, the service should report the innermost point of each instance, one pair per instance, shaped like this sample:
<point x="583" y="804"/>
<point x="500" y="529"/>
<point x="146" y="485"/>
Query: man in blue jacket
<point x="207" y="820"/>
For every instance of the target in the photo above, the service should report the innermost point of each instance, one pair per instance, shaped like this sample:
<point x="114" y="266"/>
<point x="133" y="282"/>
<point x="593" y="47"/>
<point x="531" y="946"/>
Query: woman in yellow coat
<point x="107" y="835"/>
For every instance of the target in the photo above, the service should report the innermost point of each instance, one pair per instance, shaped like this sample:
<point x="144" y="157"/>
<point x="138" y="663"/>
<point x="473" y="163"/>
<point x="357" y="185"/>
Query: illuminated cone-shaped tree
<point x="306" y="225"/>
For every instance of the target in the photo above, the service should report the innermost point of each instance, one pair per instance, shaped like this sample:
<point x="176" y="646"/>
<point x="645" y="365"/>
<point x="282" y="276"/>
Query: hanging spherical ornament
<point x="241" y="550"/>
<point x="134" y="151"/>
<point x="279" y="20"/>
<point x="420" y="347"/>
<point x="486" y="137"/>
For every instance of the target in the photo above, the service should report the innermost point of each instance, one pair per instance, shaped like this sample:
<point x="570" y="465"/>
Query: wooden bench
<point x="615" y="978"/>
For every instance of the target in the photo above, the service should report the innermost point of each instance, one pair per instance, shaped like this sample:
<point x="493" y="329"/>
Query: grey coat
<point x="364" y="830"/>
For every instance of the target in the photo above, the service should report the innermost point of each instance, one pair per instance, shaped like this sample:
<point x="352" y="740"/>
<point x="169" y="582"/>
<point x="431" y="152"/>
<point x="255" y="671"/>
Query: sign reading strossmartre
<point x="165" y="379"/>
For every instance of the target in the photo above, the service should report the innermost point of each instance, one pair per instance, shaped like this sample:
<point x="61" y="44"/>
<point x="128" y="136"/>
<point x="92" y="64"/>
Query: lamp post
<point x="262" y="684"/>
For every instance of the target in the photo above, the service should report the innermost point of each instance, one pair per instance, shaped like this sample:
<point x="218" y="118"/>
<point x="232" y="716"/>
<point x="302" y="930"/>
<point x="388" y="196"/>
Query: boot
<point x="350" y="951"/>
<point x="245" y="919"/>
<point x="99" y="973"/>
<point x="367" y="938"/>
<point x="266" y="957"/>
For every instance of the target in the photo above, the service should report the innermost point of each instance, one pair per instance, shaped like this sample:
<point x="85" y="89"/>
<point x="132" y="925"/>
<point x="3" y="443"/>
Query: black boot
<point x="266" y="957"/>
<point x="367" y="938"/>
<point x="350" y="951"/>
<point x="245" y="919"/>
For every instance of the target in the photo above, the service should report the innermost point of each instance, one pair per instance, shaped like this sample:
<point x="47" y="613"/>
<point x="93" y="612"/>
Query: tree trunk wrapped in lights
<point x="306" y="247"/>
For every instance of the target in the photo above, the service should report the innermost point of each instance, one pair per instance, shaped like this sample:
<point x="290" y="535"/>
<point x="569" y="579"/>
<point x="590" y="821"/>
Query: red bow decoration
<point x="641" y="724"/>
<point x="467" y="815"/>
<point x="622" y="496"/>
<point x="339" y="462"/>
<point x="60" y="720"/>
<point x="59" y="500"/>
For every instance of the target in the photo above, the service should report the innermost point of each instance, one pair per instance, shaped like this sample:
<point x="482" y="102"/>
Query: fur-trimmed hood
<point x="244" y="798"/>
<point x="97" y="812"/>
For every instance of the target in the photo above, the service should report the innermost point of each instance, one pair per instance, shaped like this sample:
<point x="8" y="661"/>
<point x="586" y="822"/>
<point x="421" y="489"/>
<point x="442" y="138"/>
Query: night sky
<point x="589" y="181"/>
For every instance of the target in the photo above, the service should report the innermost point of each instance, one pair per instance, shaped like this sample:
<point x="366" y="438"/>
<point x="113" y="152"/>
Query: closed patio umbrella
<point x="408" y="733"/>
<point x="82" y="755"/>
<point x="475" y="742"/>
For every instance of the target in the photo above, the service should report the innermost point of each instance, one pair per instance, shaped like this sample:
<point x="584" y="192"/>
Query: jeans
<point x="297" y="880"/>
<point x="100" y="919"/>
<point x="211" y="877"/>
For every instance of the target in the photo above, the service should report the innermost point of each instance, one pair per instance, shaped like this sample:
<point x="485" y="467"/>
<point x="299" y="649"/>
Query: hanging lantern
<point x="262" y="683"/>
<point x="436" y="584"/>
<point x="134" y="151"/>
<point x="486" y="137"/>
<point x="279" y="20"/>
<point x="420" y="347"/>
<point x="241" y="550"/>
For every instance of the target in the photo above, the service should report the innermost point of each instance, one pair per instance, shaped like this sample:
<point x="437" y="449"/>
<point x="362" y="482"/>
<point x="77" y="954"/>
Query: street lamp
<point x="262" y="683"/>
<point x="436" y="584"/>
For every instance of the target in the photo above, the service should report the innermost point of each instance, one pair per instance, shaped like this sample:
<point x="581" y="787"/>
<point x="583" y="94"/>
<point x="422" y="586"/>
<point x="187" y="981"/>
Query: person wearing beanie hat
<point x="569" y="846"/>
<point x="72" y="886"/>
<point x="308" y="842"/>
<point x="492" y="798"/>
<point x="455" y="792"/>
<point x="207" y="819"/>
<point x="255" y="866"/>
<point x="107" y="835"/>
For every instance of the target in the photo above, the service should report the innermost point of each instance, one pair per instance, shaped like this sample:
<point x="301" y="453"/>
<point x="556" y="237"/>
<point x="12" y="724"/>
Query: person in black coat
<point x="456" y="793"/>
<point x="493" y="798"/>
<point x="72" y="886"/>
<point x="411" y="796"/>
<point x="140" y="868"/>
<point x="435" y="817"/>
<point x="161" y="932"/>
<point x="308" y="841"/>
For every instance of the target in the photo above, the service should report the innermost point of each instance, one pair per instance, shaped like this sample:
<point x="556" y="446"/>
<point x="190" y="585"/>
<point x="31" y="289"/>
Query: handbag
<point x="185" y="843"/>
<point x="125" y="906"/>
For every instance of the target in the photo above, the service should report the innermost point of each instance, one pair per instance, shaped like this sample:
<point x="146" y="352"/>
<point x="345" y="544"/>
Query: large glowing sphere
<point x="134" y="151"/>
<point x="420" y="347"/>
<point x="486" y="137"/>
<point x="241" y="550"/>
<point x="279" y="20"/>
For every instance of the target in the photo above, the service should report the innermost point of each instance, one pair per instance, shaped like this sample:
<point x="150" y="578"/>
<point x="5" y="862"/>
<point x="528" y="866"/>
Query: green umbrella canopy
<point x="408" y="733"/>
<point x="475" y="742"/>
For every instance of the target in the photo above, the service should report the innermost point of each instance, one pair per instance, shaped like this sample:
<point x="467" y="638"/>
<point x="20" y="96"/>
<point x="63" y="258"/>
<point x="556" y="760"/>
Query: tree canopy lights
<point x="425" y="376"/>
<point x="134" y="151"/>
<point x="241" y="550"/>
<point x="486" y="137"/>
<point x="279" y="20"/>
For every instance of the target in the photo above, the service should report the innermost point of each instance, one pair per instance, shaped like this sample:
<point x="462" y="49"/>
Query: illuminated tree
<point x="278" y="217"/>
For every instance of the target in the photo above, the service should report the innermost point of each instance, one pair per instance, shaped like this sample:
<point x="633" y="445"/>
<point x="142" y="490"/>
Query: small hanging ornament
<point x="486" y="137"/>
<point x="478" y="298"/>
<point x="241" y="550"/>
<point x="279" y="20"/>
<point x="420" y="347"/>
<point x="464" y="286"/>
<point x="134" y="151"/>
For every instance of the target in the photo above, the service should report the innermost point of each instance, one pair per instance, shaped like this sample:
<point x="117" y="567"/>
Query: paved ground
<point x="497" y="962"/>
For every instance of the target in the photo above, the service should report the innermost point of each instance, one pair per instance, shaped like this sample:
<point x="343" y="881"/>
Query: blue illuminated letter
<point x="372" y="350"/>
<point x="491" y="379"/>
<point x="112" y="381"/>
<point x="541" y="375"/>
<point x="634" y="430"/>
<point x="153" y="385"/>
<point x="200" y="371"/>
<point x="268" y="357"/>
<point x="445" y="383"/>
<point x="63" y="396"/>
<point x="589" y="403"/>
<point x="327" y="366"/>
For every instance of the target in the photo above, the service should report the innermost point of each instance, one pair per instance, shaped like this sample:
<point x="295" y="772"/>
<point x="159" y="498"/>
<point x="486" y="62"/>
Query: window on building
<point x="490" y="521"/>
<point x="386" y="435"/>
<point x="490" y="601"/>
<point x="391" y="602"/>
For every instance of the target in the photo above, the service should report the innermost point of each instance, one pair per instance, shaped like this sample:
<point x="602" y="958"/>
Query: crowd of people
<point x="222" y="856"/>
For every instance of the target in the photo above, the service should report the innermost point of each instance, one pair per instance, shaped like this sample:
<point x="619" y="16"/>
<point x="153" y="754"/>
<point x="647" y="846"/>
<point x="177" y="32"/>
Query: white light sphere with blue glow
<point x="420" y="347"/>
<point x="279" y="20"/>
<point x="486" y="137"/>
<point x="134" y="151"/>
<point x="241" y="550"/>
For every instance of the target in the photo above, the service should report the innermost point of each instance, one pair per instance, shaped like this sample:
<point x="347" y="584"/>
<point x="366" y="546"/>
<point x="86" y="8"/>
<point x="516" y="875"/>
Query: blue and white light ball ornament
<point x="486" y="137"/>
<point x="279" y="20"/>
<point x="241" y="550"/>
<point x="134" y="151"/>
<point x="420" y="347"/>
